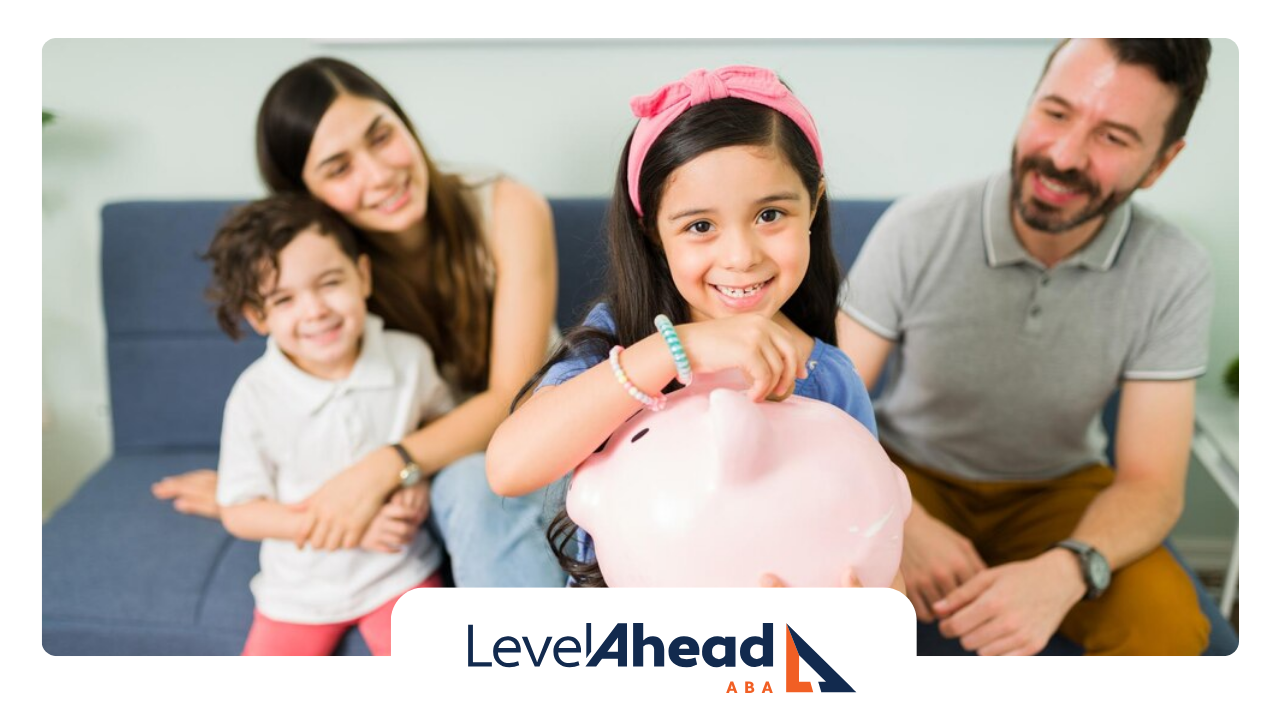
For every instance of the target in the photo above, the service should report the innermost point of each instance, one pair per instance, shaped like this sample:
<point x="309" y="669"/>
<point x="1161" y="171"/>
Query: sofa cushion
<point x="126" y="575"/>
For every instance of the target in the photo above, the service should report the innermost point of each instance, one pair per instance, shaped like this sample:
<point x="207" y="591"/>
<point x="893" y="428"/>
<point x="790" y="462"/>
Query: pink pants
<point x="272" y="637"/>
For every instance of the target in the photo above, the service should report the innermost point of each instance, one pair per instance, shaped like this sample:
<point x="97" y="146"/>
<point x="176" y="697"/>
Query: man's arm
<point x="1153" y="446"/>
<point x="1015" y="608"/>
<point x="867" y="350"/>
<point x="935" y="558"/>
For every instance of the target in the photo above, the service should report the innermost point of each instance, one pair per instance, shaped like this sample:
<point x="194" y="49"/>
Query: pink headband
<point x="660" y="109"/>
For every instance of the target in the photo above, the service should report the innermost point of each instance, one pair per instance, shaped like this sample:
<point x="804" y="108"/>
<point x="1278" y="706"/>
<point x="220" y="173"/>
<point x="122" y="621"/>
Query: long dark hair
<point x="639" y="285"/>
<point x="452" y="311"/>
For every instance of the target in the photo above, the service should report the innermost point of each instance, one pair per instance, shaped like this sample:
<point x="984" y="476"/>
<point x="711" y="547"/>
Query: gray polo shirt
<point x="1002" y="366"/>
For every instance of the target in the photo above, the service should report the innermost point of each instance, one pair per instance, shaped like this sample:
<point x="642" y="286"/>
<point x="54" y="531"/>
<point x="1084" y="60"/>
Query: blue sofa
<point x="126" y="575"/>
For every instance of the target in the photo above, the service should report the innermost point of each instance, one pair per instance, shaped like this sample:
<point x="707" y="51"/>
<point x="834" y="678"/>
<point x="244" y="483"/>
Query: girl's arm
<point x="556" y="429"/>
<point x="522" y="240"/>
<point x="263" y="519"/>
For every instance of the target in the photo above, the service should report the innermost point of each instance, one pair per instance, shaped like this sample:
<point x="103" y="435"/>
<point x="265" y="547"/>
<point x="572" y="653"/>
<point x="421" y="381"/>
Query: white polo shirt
<point x="285" y="433"/>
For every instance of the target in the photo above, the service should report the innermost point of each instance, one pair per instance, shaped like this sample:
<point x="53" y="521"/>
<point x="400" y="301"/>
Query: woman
<point x="466" y="263"/>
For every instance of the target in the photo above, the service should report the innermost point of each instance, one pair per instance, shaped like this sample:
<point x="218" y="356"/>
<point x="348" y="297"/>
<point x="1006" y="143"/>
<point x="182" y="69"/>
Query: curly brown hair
<point x="246" y="250"/>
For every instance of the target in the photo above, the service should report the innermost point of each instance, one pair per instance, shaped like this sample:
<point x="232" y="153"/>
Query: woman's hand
<point x="399" y="519"/>
<point x="765" y="352"/>
<point x="192" y="493"/>
<point x="339" y="513"/>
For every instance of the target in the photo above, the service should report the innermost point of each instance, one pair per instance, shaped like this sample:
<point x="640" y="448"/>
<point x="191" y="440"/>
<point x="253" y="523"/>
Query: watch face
<point x="410" y="474"/>
<point x="1099" y="572"/>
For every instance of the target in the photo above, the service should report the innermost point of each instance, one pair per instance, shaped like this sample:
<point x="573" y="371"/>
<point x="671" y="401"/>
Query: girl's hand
<point x="192" y="493"/>
<point x="850" y="581"/>
<point x="398" y="520"/>
<point x="339" y="513"/>
<point x="763" y="350"/>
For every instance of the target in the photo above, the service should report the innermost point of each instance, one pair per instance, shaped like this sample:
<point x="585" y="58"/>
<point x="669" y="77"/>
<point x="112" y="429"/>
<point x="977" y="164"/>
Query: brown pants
<point x="1151" y="606"/>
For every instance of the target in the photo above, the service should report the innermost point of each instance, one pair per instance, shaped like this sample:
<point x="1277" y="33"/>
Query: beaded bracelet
<point x="668" y="331"/>
<point x="615" y="361"/>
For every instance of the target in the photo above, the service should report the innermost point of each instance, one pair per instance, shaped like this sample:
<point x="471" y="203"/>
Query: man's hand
<point x="1013" y="609"/>
<point x="935" y="561"/>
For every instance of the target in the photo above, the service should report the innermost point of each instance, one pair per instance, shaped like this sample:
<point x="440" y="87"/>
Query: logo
<point x="797" y="648"/>
<point x="628" y="645"/>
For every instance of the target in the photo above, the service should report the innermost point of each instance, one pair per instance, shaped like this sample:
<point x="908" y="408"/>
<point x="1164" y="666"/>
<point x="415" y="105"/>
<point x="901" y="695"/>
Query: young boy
<point x="332" y="386"/>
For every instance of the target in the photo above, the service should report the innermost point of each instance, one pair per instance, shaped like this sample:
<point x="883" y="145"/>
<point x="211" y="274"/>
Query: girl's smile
<point x="743" y="297"/>
<point x="734" y="226"/>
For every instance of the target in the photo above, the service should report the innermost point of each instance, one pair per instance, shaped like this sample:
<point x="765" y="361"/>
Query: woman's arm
<point x="524" y="254"/>
<point x="523" y="246"/>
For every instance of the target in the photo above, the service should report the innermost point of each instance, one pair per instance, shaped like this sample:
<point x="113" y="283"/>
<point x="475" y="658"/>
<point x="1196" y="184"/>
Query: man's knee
<point x="1151" y="608"/>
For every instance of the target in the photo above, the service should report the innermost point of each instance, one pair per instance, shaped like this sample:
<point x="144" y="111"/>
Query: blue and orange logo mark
<point x="797" y="648"/>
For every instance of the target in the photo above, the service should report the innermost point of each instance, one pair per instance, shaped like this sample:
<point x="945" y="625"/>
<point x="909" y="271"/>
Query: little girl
<point x="719" y="221"/>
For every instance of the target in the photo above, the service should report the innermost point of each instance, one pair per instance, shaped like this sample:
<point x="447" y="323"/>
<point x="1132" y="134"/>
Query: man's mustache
<point x="1071" y="178"/>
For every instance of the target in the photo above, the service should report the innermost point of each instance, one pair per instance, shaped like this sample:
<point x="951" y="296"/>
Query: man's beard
<point x="1045" y="218"/>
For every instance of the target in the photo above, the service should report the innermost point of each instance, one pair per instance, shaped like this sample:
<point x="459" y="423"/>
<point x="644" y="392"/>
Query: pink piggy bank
<point x="717" y="490"/>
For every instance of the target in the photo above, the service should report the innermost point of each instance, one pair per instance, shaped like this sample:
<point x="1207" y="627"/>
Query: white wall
<point x="174" y="119"/>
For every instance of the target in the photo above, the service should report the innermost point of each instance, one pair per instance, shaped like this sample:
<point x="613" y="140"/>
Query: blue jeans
<point x="493" y="541"/>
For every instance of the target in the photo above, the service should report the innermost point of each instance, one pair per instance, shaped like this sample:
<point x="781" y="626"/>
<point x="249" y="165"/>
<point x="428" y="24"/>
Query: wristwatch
<point x="1095" y="568"/>
<point x="410" y="474"/>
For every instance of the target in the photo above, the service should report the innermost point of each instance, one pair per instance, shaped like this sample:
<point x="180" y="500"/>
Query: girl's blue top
<point x="832" y="379"/>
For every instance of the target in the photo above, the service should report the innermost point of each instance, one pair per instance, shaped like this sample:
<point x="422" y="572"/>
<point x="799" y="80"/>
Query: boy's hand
<point x="399" y="519"/>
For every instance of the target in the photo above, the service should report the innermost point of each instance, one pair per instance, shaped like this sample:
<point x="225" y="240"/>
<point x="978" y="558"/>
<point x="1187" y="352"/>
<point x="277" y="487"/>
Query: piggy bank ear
<point x="742" y="443"/>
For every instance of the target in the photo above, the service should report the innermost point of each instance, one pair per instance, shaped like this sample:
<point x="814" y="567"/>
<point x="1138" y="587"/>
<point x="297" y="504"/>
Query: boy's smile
<point x="314" y="305"/>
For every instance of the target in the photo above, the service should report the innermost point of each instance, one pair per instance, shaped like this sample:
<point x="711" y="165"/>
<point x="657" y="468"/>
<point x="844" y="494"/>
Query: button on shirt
<point x="1002" y="365"/>
<point x="285" y="433"/>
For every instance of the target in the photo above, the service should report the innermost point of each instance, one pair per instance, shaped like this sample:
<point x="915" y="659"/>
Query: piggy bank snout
<point x="740" y="437"/>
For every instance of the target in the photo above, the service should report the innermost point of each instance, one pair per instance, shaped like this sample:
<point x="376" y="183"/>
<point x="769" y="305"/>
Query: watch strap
<point x="404" y="454"/>
<point x="1085" y="553"/>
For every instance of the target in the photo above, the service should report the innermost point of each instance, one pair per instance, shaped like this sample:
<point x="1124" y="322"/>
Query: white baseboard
<point x="1203" y="554"/>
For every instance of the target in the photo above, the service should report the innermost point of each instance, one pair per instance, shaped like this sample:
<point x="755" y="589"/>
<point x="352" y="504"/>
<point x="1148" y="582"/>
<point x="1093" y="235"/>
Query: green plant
<point x="1232" y="377"/>
<point x="47" y="117"/>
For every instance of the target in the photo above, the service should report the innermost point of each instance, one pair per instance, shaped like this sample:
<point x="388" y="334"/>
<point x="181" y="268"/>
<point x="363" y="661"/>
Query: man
<point x="1017" y="304"/>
